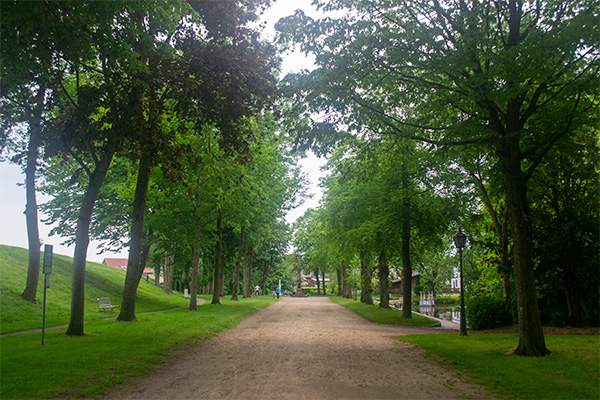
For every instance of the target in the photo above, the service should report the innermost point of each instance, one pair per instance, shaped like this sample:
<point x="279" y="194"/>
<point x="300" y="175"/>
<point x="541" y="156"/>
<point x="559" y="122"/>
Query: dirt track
<point x="303" y="348"/>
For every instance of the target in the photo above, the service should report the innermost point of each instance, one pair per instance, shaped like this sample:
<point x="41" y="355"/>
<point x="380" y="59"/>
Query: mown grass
<point x="68" y="367"/>
<point x="110" y="352"/>
<point x="382" y="315"/>
<point x="17" y="314"/>
<point x="570" y="372"/>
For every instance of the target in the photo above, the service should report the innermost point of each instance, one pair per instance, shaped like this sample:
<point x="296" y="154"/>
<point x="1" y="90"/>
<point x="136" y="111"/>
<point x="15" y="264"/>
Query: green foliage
<point x="311" y="291"/>
<point x="485" y="311"/>
<point x="566" y="219"/>
<point x="570" y="372"/>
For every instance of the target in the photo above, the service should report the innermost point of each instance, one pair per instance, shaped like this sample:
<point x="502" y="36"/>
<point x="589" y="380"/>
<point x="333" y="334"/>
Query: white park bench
<point x="104" y="304"/>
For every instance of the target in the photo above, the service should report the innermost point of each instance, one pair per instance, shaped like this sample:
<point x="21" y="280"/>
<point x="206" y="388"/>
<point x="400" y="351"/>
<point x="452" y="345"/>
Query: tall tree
<point x="453" y="73"/>
<point x="203" y="90"/>
<point x="218" y="282"/>
<point x="32" y="73"/>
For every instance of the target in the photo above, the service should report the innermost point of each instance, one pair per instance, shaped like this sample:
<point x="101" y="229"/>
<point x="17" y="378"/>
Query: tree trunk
<point x="169" y="270"/>
<point x="406" y="266"/>
<point x="145" y="253"/>
<point x="157" y="270"/>
<point x="346" y="284"/>
<point x="82" y="239"/>
<point x="195" y="259"/>
<point x="338" y="272"/>
<point x="531" y="335"/>
<point x="248" y="272"/>
<point x="505" y="268"/>
<point x="384" y="273"/>
<point x="31" y="214"/>
<point x="218" y="282"/>
<point x="366" y="295"/>
<point x="318" y="282"/>
<point x="324" y="286"/>
<point x="246" y="290"/>
<point x="133" y="274"/>
<point x="238" y="262"/>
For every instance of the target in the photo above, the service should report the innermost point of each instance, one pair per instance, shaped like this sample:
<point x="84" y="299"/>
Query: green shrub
<point x="485" y="311"/>
<point x="311" y="291"/>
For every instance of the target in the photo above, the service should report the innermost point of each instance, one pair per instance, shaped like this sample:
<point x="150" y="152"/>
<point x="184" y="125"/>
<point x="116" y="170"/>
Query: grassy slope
<point x="17" y="314"/>
<point x="109" y="353"/>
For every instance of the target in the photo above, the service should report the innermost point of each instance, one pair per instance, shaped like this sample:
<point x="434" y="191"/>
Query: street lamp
<point x="460" y="240"/>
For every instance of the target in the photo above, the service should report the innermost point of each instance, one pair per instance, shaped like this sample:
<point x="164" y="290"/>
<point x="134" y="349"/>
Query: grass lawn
<point x="110" y="352"/>
<point x="17" y="314"/>
<point x="570" y="372"/>
<point x="381" y="315"/>
<point x="67" y="367"/>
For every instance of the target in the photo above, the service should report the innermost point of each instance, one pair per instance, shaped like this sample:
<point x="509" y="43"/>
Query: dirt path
<point x="303" y="348"/>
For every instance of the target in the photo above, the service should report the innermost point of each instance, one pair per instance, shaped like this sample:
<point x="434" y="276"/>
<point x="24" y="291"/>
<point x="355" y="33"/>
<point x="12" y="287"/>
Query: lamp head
<point x="460" y="239"/>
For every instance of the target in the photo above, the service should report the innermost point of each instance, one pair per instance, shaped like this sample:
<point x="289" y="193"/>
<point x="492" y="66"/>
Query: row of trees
<point x="425" y="103"/>
<point x="156" y="127"/>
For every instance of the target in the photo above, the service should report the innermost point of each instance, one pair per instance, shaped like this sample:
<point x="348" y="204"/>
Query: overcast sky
<point x="12" y="197"/>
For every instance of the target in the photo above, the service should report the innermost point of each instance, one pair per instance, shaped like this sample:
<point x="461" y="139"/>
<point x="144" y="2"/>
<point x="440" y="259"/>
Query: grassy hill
<point x="17" y="314"/>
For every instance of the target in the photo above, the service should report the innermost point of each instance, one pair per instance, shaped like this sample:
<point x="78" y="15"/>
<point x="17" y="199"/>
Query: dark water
<point x="447" y="313"/>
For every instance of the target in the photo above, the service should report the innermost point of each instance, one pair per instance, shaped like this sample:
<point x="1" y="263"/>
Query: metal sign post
<point x="47" y="272"/>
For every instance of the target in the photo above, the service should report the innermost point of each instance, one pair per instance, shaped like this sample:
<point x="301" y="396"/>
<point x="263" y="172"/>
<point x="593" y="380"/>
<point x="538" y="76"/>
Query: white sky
<point x="13" y="230"/>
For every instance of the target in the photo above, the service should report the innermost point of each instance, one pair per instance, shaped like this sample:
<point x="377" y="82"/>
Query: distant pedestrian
<point x="273" y="294"/>
<point x="257" y="289"/>
<point x="278" y="289"/>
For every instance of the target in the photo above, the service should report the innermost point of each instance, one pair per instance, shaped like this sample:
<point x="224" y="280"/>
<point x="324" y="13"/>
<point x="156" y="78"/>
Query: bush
<point x="485" y="311"/>
<point x="311" y="291"/>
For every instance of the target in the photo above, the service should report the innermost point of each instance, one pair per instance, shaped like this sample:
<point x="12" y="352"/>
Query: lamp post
<point x="460" y="240"/>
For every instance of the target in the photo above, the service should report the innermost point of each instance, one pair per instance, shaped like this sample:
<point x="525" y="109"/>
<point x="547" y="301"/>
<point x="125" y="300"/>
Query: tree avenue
<point x="137" y="79"/>
<point x="508" y="79"/>
<point x="163" y="127"/>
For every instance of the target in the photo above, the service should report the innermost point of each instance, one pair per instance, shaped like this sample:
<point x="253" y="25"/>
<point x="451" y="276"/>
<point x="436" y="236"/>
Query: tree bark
<point x="338" y="272"/>
<point x="346" y="284"/>
<point x="145" y="253"/>
<point x="195" y="259"/>
<point x="133" y="274"/>
<point x="169" y="270"/>
<point x="82" y="239"/>
<point x="406" y="265"/>
<point x="238" y="262"/>
<point x="366" y="295"/>
<point x="384" y="273"/>
<point x="248" y="272"/>
<point x="218" y="282"/>
<point x="31" y="208"/>
<point x="318" y="282"/>
<point x="531" y="335"/>
<point x="575" y="299"/>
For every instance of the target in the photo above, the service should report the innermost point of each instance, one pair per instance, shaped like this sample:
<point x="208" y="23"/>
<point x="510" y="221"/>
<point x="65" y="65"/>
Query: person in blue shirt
<point x="278" y="289"/>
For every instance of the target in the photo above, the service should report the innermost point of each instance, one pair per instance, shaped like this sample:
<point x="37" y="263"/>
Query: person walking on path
<point x="277" y="290"/>
<point x="273" y="294"/>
